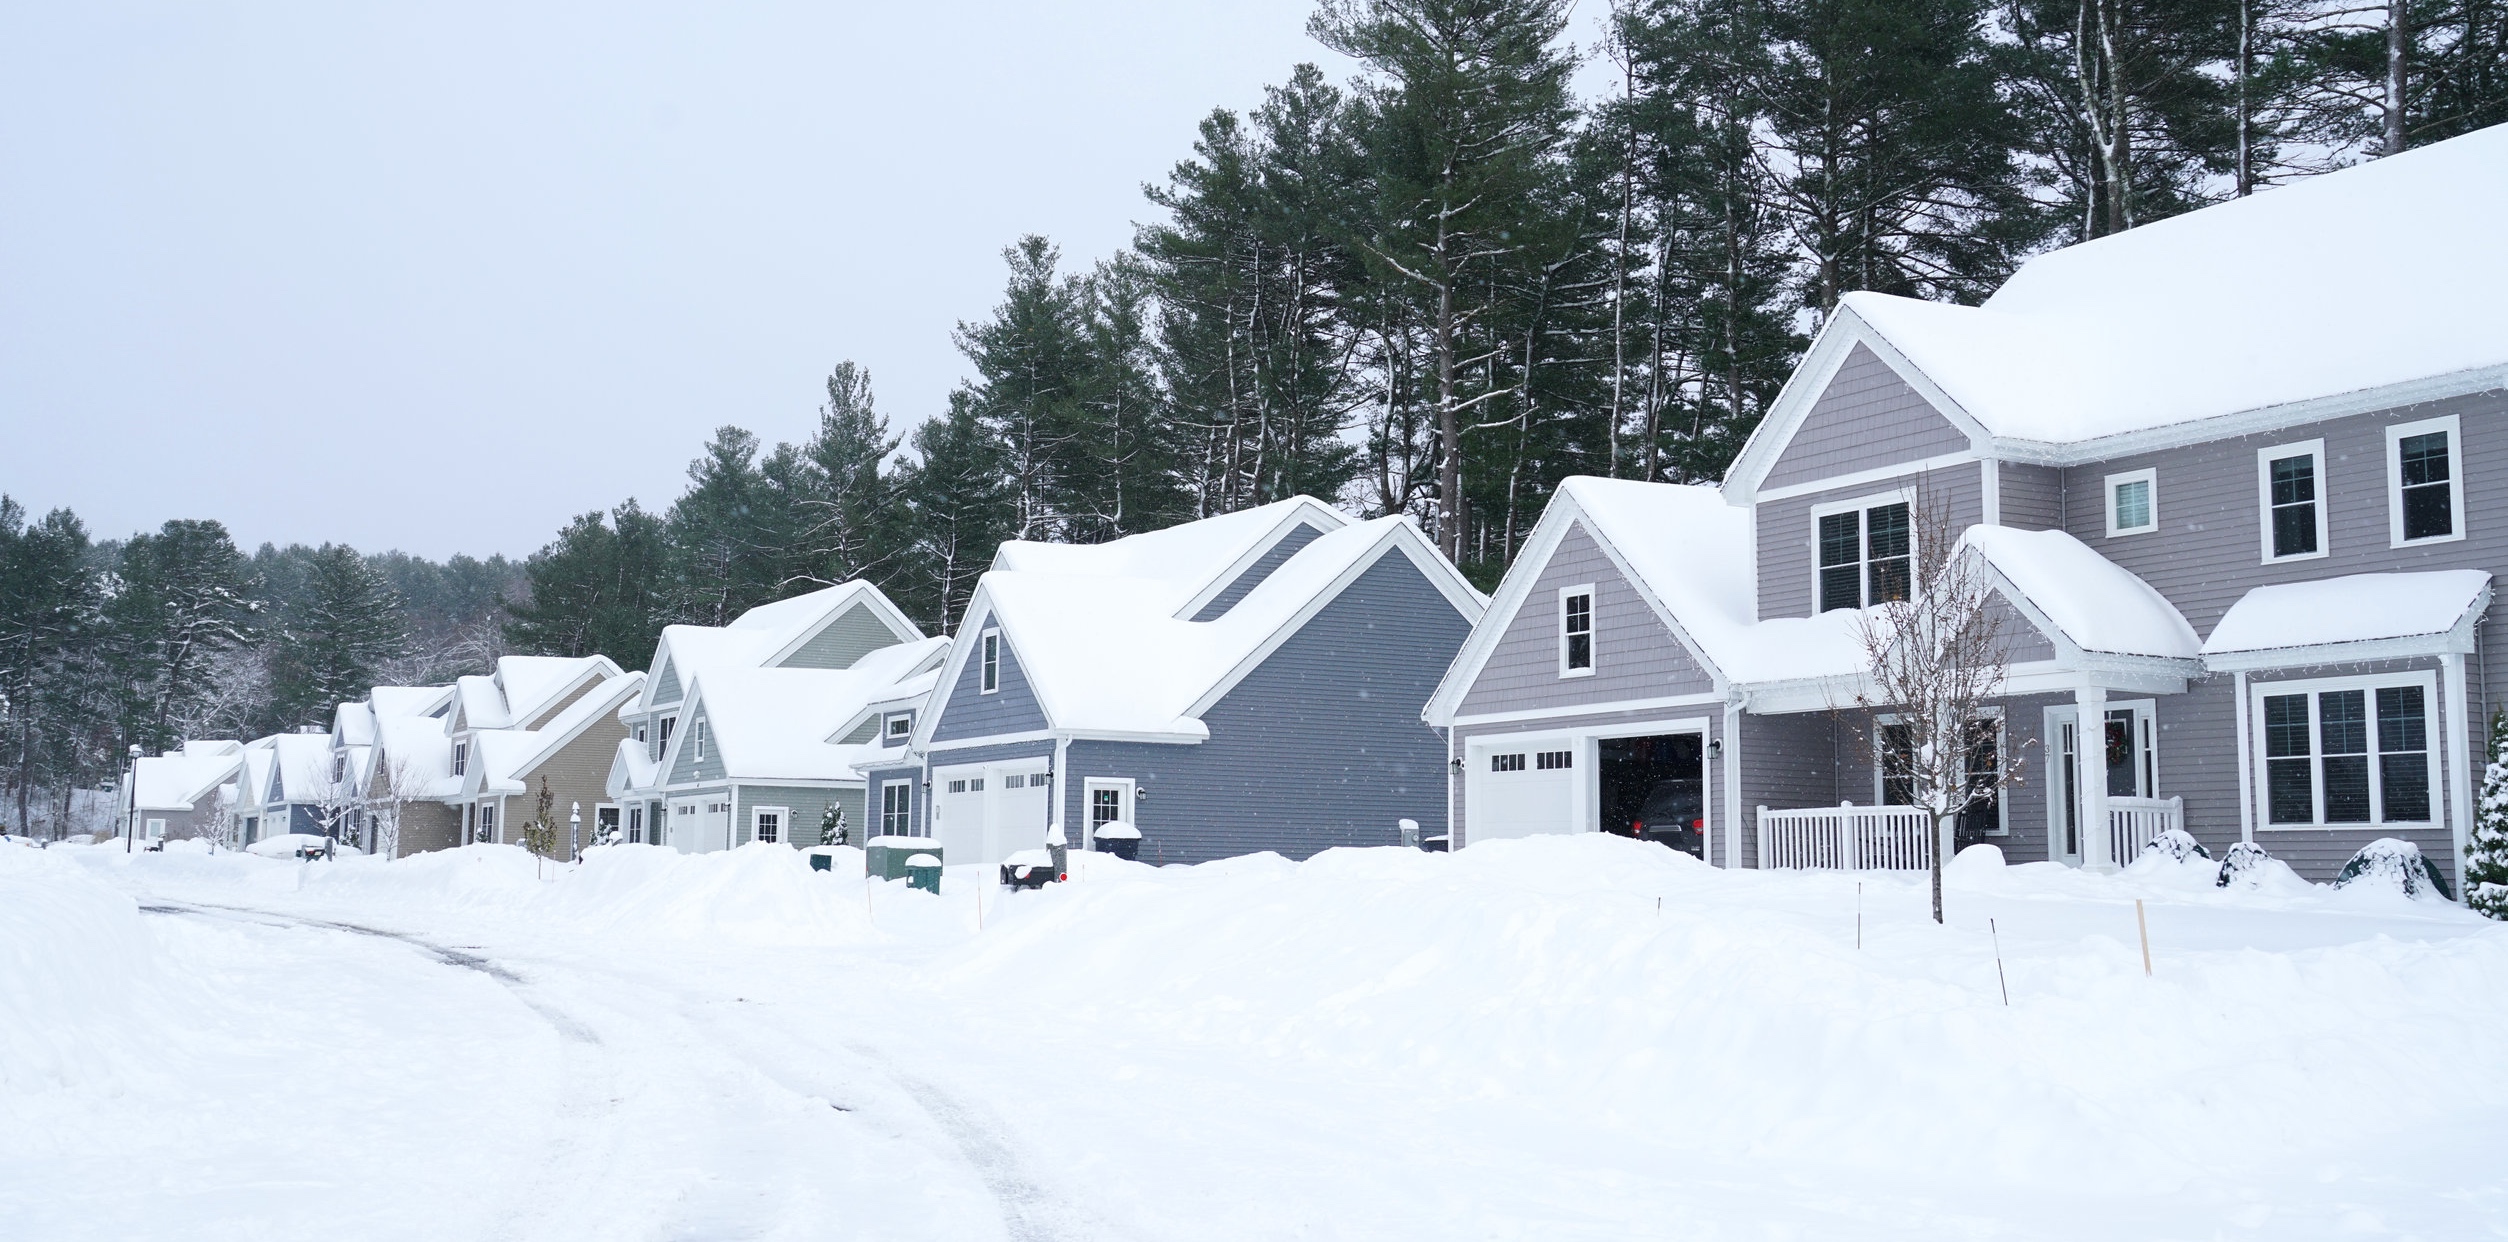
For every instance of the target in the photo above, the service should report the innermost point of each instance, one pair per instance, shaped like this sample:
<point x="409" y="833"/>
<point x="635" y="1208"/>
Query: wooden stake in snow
<point x="1859" y="914"/>
<point x="1999" y="980"/>
<point x="867" y="911"/>
<point x="2143" y="925"/>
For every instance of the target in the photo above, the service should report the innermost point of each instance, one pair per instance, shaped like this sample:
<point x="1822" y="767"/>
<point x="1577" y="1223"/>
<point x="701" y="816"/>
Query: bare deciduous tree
<point x="1938" y="659"/>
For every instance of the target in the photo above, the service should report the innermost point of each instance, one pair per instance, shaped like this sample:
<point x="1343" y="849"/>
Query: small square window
<point x="1553" y="760"/>
<point x="2133" y="503"/>
<point x="1506" y="763"/>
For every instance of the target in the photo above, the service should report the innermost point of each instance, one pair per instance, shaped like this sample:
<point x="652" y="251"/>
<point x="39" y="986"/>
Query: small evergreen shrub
<point x="2178" y="844"/>
<point x="2244" y="861"/>
<point x="2396" y="863"/>
<point x="2486" y="854"/>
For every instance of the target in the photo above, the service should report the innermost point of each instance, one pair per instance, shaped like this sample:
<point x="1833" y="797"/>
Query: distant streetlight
<point x="574" y="832"/>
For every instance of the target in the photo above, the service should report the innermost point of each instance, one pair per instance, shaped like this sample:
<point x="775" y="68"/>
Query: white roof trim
<point x="1303" y="513"/>
<point x="888" y="614"/>
<point x="1810" y="381"/>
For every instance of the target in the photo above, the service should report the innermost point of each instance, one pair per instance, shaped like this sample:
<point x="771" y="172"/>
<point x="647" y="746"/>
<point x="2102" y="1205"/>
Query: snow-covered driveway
<point x="1570" y="1039"/>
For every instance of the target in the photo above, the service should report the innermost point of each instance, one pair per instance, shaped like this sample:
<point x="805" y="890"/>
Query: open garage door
<point x="1654" y="788"/>
<point x="1519" y="785"/>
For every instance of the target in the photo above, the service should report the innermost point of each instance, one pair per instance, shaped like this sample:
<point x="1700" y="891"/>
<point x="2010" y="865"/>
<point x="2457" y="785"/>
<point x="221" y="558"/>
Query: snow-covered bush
<point x="2486" y="854"/>
<point x="2392" y="862"/>
<point x="2246" y="864"/>
<point x="2177" y="844"/>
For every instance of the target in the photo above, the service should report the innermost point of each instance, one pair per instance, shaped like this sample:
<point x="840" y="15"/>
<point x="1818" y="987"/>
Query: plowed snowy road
<point x="674" y="1115"/>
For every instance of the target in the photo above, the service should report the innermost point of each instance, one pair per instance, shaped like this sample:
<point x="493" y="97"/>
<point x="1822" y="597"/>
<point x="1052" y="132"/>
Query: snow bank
<point x="77" y="973"/>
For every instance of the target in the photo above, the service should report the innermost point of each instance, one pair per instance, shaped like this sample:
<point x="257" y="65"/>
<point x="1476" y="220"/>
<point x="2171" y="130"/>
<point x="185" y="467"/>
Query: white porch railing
<point x="2133" y="822"/>
<point x="1846" y="837"/>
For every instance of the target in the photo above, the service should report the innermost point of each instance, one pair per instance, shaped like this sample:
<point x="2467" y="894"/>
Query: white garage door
<point x="989" y="812"/>
<point x="1519" y="786"/>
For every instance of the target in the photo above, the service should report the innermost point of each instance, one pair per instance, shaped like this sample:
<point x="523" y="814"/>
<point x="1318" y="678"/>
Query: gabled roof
<point x="410" y="700"/>
<point x="415" y="751"/>
<point x="1688" y="555"/>
<point x="910" y="691"/>
<point x="2230" y="319"/>
<point x="177" y="781"/>
<point x="2357" y="617"/>
<point x="2082" y="598"/>
<point x="506" y="758"/>
<point x="304" y="764"/>
<point x="1102" y="634"/>
<point x="352" y="724"/>
<point x="772" y="723"/>
<point x="764" y="636"/>
<point x="1196" y="561"/>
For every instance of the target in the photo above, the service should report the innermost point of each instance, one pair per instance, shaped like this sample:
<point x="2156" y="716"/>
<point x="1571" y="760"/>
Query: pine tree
<point x="724" y="548"/>
<point x="346" y="623"/>
<point x="1031" y="362"/>
<point x="2486" y="853"/>
<point x="852" y="527"/>
<point x="961" y="506"/>
<point x="59" y="726"/>
<point x="832" y="825"/>
<point x="597" y="589"/>
<point x="178" y="602"/>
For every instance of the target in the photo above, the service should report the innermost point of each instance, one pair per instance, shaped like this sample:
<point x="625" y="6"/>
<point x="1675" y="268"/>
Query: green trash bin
<point x="884" y="858"/>
<point x="923" y="872"/>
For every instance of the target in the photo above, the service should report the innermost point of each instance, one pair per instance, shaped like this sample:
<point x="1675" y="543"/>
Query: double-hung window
<point x="699" y="739"/>
<point x="2424" y="482"/>
<point x="2355" y="752"/>
<point x="461" y="757"/>
<point x="2291" y="492"/>
<point x="896" y="808"/>
<point x="662" y="735"/>
<point x="2133" y="503"/>
<point x="1576" y="631"/>
<point x="1867" y="554"/>
<point x="989" y="677"/>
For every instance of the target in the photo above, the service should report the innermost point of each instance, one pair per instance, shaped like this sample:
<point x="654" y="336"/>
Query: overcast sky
<point x="439" y="276"/>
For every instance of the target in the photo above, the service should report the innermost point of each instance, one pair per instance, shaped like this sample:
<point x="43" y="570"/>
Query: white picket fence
<point x="2133" y="822"/>
<point x="1846" y="837"/>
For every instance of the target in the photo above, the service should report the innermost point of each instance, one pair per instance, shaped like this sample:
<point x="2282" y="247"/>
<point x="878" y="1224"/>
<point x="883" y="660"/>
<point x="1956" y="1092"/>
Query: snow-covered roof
<point x="531" y="684"/>
<point x="2431" y="606"/>
<point x="505" y="757"/>
<point x="304" y="764"/>
<point x="352" y="724"/>
<point x="409" y="700"/>
<point x="178" y="781"/>
<point x="2234" y="307"/>
<point x="633" y="767"/>
<point x="482" y="705"/>
<point x="2089" y="600"/>
<point x="418" y="752"/>
<point x="1189" y="560"/>
<point x="759" y="636"/>
<point x="202" y="747"/>
<point x="1102" y="631"/>
<point x="772" y="723"/>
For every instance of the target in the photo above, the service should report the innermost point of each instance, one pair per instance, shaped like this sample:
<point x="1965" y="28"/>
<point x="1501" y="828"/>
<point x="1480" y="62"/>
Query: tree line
<point x="1437" y="290"/>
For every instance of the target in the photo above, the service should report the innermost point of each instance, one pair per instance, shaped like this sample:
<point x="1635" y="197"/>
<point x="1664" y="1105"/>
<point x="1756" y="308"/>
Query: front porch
<point x="1848" y="837"/>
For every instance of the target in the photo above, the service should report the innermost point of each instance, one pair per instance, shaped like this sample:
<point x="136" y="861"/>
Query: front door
<point x="2127" y="747"/>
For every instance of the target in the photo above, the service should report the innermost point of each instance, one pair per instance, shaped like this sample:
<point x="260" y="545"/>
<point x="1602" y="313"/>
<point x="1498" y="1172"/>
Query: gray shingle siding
<point x="843" y="642"/>
<point x="687" y="766"/>
<point x="1272" y="559"/>
<point x="1789" y="540"/>
<point x="1787" y="762"/>
<point x="666" y="687"/>
<point x="877" y="777"/>
<point x="1866" y="417"/>
<point x="805" y="805"/>
<point x="1635" y="656"/>
<point x="2030" y="497"/>
<point x="1320" y="746"/>
<point x="970" y="713"/>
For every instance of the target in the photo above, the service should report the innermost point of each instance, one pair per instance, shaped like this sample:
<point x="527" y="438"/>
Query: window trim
<point x="1863" y="540"/>
<point x="2149" y="477"/>
<point x="2395" y="435"/>
<point x="1127" y="787"/>
<point x="2433" y="724"/>
<point x="2002" y="761"/>
<point x="988" y="662"/>
<point x="783" y="823"/>
<point x="897" y="726"/>
<point x="1592" y="655"/>
<point x="904" y="811"/>
<point x="696" y="737"/>
<point x="2264" y="459"/>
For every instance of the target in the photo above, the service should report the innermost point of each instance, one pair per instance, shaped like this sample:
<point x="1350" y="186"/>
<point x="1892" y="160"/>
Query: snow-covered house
<point x="2236" y="507"/>
<point x="567" y="755"/>
<point x="530" y="695"/>
<point x="1241" y="683"/>
<point x="733" y="737"/>
<point x="284" y="785"/>
<point x="175" y="794"/>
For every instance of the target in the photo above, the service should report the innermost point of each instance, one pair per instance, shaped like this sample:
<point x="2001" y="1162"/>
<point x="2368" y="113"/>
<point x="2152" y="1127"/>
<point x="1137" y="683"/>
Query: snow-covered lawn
<point x="1557" y="1038"/>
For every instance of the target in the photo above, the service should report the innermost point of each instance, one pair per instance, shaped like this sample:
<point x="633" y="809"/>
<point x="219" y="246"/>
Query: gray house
<point x="739" y="734"/>
<point x="174" y="796"/>
<point x="2235" y="507"/>
<point x="1246" y="682"/>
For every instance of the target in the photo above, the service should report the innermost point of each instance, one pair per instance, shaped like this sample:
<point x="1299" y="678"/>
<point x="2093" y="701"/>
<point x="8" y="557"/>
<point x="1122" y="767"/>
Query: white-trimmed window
<point x="461" y="757"/>
<point x="900" y="725"/>
<point x="1553" y="760"/>
<point x="2347" y="751"/>
<point x="1576" y="631"/>
<point x="1507" y="763"/>
<point x="896" y="808"/>
<point x="2424" y="482"/>
<point x="989" y="679"/>
<point x="1016" y="780"/>
<point x="635" y="826"/>
<point x="1866" y="550"/>
<point x="662" y="735"/>
<point x="1894" y="783"/>
<point x="2290" y="490"/>
<point x="156" y="830"/>
<point x="766" y="823"/>
<point x="487" y="822"/>
<point x="698" y="739"/>
<point x="2133" y="502"/>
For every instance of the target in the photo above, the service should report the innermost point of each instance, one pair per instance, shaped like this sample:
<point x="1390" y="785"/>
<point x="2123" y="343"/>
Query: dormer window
<point x="989" y="676"/>
<point x="899" y="727"/>
<point x="461" y="757"/>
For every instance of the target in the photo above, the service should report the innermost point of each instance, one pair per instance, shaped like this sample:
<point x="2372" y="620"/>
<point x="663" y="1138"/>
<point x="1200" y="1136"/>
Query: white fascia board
<point x="997" y="739"/>
<point x="1539" y="545"/>
<point x="1330" y="519"/>
<point x="900" y="627"/>
<point x="1864" y="478"/>
<point x="1620" y="708"/>
<point x="2258" y="421"/>
<point x="1811" y="378"/>
<point x="2457" y="639"/>
<point x="1401" y="537"/>
<point x="1662" y="612"/>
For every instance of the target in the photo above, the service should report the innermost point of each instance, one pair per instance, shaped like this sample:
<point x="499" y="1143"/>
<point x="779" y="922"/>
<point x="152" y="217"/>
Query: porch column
<point x="2098" y="849"/>
<point x="2458" y="727"/>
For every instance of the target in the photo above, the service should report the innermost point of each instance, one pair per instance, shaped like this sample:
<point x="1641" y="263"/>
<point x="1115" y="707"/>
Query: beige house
<point x="567" y="758"/>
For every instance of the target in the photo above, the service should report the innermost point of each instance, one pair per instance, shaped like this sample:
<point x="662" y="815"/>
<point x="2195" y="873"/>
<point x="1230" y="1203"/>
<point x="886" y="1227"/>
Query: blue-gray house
<point x="1242" y="683"/>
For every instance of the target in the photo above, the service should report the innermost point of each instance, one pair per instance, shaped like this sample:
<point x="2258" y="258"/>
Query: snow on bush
<point x="76" y="968"/>
<point x="2486" y="852"/>
<point x="2393" y="863"/>
<point x="2176" y="844"/>
<point x="2248" y="866"/>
